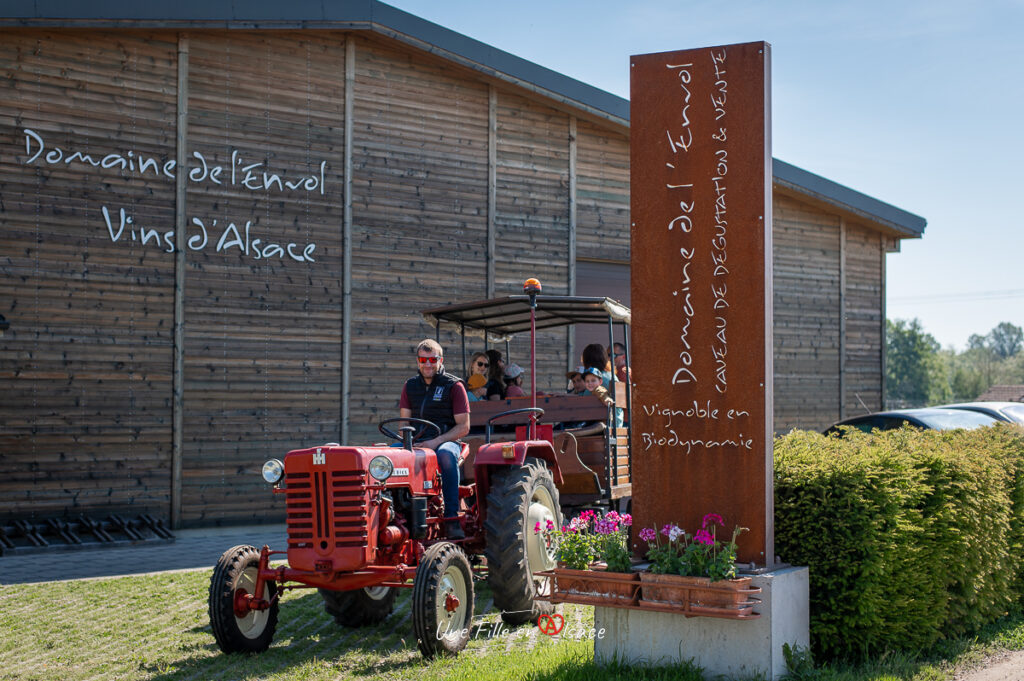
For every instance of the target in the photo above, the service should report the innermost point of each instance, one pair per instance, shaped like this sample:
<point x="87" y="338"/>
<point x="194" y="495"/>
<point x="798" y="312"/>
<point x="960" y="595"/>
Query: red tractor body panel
<point x="333" y="519"/>
<point x="514" y="454"/>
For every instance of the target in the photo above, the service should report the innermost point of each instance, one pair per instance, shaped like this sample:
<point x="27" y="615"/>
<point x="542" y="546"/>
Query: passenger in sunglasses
<point x="439" y="397"/>
<point x="480" y="363"/>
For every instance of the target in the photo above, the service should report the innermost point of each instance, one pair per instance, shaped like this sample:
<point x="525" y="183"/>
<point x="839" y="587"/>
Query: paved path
<point x="1003" y="667"/>
<point x="190" y="549"/>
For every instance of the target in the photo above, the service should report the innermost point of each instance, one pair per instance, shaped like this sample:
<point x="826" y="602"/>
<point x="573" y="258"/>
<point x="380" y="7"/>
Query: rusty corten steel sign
<point x="700" y="181"/>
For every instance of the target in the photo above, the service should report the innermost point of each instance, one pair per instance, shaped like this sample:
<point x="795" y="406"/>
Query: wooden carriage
<point x="593" y="454"/>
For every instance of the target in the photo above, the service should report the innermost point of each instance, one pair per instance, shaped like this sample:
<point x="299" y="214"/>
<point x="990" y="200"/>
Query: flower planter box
<point x="689" y="596"/>
<point x="593" y="587"/>
<point x="698" y="594"/>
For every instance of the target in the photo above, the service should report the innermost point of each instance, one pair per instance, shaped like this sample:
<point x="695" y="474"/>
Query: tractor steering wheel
<point x="424" y="426"/>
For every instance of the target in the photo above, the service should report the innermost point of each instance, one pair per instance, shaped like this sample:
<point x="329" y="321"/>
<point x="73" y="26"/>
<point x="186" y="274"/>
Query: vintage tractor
<point x="365" y="521"/>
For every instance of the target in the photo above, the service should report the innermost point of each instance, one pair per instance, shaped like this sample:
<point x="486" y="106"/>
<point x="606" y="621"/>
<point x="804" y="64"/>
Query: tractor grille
<point x="326" y="509"/>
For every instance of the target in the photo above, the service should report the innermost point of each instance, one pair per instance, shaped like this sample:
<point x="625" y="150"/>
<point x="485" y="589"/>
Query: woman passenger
<point x="596" y="357"/>
<point x="495" y="375"/>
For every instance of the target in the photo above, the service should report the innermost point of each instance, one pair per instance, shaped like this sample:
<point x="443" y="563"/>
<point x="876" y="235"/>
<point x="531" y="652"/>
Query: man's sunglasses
<point x="483" y="364"/>
<point x="428" y="360"/>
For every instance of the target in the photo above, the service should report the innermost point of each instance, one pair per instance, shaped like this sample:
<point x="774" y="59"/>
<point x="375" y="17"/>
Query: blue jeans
<point x="448" y="462"/>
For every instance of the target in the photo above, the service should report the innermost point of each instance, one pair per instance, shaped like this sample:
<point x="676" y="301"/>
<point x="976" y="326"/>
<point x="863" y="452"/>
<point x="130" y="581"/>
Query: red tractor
<point x="364" y="522"/>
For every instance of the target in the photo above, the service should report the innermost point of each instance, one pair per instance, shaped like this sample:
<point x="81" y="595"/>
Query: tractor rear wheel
<point x="361" y="607"/>
<point x="234" y="576"/>
<point x="442" y="601"/>
<point x="519" y="499"/>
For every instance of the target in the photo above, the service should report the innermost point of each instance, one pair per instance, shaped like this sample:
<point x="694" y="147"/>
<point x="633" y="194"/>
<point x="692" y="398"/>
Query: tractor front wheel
<point x="361" y="607"/>
<point x="238" y="630"/>
<point x="442" y="601"/>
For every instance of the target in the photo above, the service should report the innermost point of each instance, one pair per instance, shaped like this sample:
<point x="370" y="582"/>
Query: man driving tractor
<point x="436" y="396"/>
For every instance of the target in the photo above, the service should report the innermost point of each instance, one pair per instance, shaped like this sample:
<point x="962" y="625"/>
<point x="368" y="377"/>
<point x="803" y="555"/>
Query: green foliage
<point x="576" y="549"/>
<point x="665" y="554"/>
<point x="919" y="374"/>
<point x="590" y="537"/>
<point x="910" y="535"/>
<point x="799" y="663"/>
<point x="1005" y="340"/>
<point x="703" y="556"/>
<point x="914" y="373"/>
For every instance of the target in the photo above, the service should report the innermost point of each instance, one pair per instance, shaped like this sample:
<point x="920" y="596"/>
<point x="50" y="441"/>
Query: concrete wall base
<point x="730" y="648"/>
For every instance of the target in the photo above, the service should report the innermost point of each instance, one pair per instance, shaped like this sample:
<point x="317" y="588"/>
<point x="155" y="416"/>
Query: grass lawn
<point x="155" y="627"/>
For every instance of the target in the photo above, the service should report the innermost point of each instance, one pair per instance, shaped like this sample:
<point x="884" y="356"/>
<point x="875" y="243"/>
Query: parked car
<point x="1012" y="412"/>
<point x="931" y="418"/>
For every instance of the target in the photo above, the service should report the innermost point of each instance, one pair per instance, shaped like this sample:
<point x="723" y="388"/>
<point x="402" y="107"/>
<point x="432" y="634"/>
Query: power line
<point x="961" y="297"/>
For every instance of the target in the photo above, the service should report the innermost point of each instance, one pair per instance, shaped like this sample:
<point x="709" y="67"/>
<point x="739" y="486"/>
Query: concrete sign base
<point x="722" y="647"/>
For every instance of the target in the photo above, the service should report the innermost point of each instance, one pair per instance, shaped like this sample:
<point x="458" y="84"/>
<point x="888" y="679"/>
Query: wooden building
<point x="348" y="165"/>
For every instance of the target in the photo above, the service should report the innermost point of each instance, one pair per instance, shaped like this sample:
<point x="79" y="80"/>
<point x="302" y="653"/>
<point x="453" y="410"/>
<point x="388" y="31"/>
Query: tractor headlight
<point x="272" y="471"/>
<point x="381" y="468"/>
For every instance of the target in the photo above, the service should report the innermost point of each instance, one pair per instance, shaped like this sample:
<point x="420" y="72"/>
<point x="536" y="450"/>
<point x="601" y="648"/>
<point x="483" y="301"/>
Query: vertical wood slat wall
<point x="814" y="256"/>
<point x="262" y="341"/>
<point x="806" y="313"/>
<point x="86" y="374"/>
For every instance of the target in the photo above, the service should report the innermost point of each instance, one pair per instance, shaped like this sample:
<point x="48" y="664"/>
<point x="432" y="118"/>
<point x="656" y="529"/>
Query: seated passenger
<point x="577" y="386"/>
<point x="592" y="378"/>
<point x="496" y="372"/>
<point x="514" y="381"/>
<point x="476" y="386"/>
<point x="594" y="356"/>
<point x="622" y="371"/>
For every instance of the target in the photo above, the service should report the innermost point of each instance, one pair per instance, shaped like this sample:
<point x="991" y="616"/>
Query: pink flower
<point x="536" y="528"/>
<point x="550" y="524"/>
<point x="672" y="531"/>
<point x="648" y="534"/>
<point x="627" y="520"/>
<point x="712" y="518"/>
<point x="702" y="537"/>
<point x="611" y="515"/>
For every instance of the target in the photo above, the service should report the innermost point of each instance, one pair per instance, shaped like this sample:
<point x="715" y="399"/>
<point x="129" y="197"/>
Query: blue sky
<point x="919" y="104"/>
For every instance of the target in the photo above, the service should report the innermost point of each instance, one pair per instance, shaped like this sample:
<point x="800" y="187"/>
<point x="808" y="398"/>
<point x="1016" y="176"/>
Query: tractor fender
<point x="514" y="454"/>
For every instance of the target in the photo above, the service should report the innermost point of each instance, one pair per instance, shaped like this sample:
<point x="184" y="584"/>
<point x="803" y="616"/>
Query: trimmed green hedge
<point x="910" y="535"/>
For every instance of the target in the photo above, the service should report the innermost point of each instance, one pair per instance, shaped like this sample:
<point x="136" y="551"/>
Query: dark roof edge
<point x="313" y="14"/>
<point x="498" y="64"/>
<point x="375" y="16"/>
<point x="903" y="223"/>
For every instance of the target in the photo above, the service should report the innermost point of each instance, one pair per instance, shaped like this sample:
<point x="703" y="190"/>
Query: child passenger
<point x="476" y="387"/>
<point x="514" y="381"/>
<point x="592" y="378"/>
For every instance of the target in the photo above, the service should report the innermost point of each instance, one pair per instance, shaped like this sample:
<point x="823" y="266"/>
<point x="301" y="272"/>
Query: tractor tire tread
<point x="221" y="603"/>
<point x="428" y="576"/>
<point x="508" y="566"/>
<point x="356" y="609"/>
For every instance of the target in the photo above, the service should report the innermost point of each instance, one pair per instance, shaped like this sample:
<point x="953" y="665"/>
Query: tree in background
<point x="915" y="374"/>
<point x="1005" y="340"/>
<point x="919" y="374"/>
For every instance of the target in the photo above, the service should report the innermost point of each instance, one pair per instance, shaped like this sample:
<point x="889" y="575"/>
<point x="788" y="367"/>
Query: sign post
<point x="700" y="184"/>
